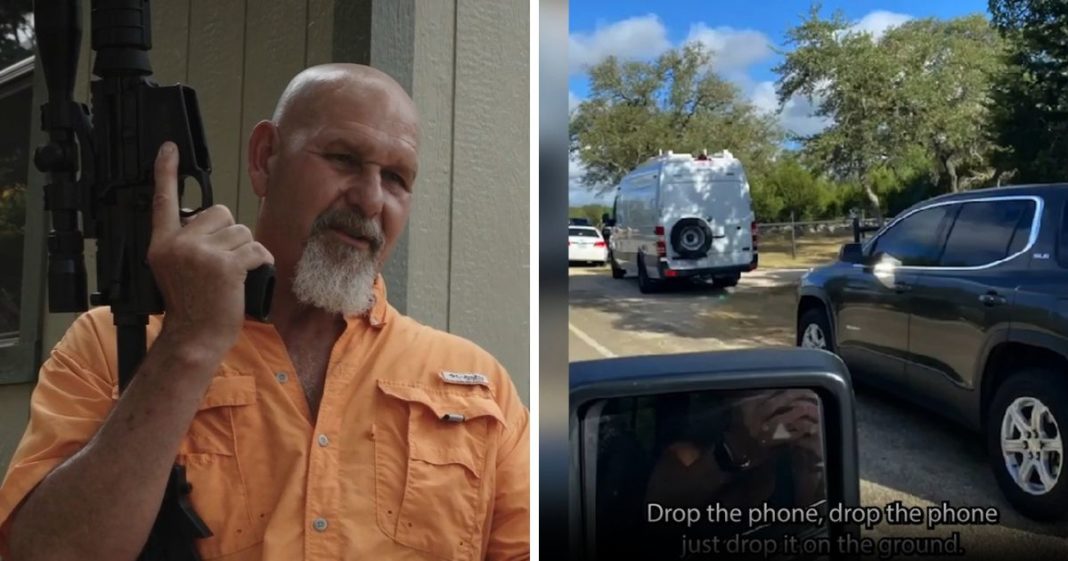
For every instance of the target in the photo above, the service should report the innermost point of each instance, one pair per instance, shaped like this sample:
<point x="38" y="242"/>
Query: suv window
<point x="914" y="241"/>
<point x="988" y="231"/>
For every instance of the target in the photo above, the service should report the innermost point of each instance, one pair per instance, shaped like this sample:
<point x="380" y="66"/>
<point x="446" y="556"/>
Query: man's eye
<point x="341" y="158"/>
<point x="395" y="178"/>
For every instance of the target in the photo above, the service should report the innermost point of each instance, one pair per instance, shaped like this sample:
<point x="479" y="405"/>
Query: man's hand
<point x="760" y="425"/>
<point x="200" y="267"/>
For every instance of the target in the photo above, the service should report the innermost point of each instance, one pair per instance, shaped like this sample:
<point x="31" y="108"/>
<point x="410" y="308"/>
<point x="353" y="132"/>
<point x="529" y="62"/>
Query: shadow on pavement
<point x="749" y="313"/>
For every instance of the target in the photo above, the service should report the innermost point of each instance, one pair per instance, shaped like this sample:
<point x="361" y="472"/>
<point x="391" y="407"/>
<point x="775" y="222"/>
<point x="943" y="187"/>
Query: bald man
<point x="340" y="430"/>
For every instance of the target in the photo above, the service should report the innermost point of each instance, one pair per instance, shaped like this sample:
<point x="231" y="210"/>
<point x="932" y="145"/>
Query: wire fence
<point x="803" y="242"/>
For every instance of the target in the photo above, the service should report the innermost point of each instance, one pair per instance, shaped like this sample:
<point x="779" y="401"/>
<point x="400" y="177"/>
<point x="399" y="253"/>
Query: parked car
<point x="585" y="244"/>
<point x="679" y="216"/>
<point x="960" y="304"/>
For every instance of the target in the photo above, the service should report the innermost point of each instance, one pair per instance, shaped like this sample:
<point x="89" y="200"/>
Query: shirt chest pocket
<point x="434" y="457"/>
<point x="212" y="461"/>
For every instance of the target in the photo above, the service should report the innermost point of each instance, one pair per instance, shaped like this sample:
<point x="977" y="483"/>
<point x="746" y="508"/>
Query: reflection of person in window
<point x="769" y="452"/>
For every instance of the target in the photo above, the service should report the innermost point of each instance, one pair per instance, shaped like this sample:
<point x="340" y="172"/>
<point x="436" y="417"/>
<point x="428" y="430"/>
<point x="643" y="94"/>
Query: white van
<point x="681" y="216"/>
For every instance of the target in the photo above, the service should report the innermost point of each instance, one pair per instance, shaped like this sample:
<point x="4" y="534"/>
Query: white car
<point x="584" y="243"/>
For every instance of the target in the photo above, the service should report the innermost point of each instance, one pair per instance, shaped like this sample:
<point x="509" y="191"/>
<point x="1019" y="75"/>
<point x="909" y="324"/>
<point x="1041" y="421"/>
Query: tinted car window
<point x="985" y="231"/>
<point x="1022" y="235"/>
<point x="914" y="241"/>
<point x="582" y="232"/>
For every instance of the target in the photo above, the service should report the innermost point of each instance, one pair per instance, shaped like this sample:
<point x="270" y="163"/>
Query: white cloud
<point x="797" y="115"/>
<point x="879" y="22"/>
<point x="732" y="49"/>
<point x="572" y="101"/>
<point x="638" y="38"/>
<point x="764" y="98"/>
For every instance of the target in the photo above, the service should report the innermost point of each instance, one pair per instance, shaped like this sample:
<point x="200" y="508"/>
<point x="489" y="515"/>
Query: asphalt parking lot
<point x="906" y="454"/>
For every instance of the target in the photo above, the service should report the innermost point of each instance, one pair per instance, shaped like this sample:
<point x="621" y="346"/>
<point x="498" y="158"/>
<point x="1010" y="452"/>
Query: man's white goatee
<point x="334" y="276"/>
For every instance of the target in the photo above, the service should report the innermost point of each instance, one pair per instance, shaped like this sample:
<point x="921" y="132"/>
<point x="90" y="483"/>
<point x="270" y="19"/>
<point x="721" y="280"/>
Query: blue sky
<point x="744" y="35"/>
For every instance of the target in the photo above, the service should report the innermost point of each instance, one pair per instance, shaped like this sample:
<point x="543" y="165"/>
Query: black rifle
<point x="114" y="148"/>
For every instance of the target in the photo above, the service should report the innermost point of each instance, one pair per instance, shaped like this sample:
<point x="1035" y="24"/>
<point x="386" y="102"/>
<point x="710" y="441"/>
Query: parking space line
<point x="590" y="341"/>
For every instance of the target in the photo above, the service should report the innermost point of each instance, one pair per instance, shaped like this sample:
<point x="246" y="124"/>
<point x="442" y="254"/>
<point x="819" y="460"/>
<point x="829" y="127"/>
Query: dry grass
<point x="812" y="250"/>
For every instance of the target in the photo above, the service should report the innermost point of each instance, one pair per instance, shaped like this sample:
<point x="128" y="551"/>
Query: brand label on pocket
<point x="464" y="378"/>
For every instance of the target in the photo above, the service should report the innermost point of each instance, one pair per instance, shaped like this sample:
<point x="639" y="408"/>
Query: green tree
<point x="848" y="77"/>
<point x="942" y="101"/>
<point x="591" y="212"/>
<point x="1030" y="98"/>
<point x="924" y="83"/>
<point x="636" y="109"/>
<point x="789" y="188"/>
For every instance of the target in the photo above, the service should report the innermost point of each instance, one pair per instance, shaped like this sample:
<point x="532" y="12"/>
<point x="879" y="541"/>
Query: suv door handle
<point x="900" y="287"/>
<point x="992" y="299"/>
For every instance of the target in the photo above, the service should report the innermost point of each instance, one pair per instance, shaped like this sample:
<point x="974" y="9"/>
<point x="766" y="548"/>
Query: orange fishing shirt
<point x="420" y="450"/>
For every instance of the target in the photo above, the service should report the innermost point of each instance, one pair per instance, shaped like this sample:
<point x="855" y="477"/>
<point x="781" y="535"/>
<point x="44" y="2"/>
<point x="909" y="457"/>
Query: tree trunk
<point x="951" y="169"/>
<point x="874" y="200"/>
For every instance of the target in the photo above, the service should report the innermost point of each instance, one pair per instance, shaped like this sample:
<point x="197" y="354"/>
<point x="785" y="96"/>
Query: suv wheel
<point x="814" y="331"/>
<point x="1025" y="442"/>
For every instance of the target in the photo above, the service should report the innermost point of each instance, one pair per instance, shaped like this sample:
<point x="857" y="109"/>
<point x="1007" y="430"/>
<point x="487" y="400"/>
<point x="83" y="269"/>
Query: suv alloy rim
<point x="1031" y="445"/>
<point x="813" y="337"/>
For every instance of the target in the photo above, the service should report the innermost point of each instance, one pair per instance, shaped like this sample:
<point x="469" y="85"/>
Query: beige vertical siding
<point x="275" y="43"/>
<point x="430" y="225"/>
<point x="215" y="69"/>
<point x="489" y="295"/>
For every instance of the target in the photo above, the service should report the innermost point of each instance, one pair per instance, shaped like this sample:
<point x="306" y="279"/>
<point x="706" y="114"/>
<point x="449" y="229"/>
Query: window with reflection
<point x="727" y="450"/>
<point x="915" y="240"/>
<point x="988" y="231"/>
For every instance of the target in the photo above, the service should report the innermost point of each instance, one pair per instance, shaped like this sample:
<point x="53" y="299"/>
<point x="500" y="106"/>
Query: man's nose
<point x="365" y="191"/>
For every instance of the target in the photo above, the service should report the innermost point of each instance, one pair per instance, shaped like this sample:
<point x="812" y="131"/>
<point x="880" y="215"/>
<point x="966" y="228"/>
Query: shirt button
<point x="323" y="440"/>
<point x="319" y="524"/>
<point x="282" y="377"/>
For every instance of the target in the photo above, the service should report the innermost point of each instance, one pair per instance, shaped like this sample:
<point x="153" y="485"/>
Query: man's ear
<point x="262" y="146"/>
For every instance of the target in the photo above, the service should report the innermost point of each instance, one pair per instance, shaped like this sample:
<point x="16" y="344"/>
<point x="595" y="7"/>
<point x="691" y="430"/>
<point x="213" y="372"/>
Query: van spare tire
<point x="691" y="238"/>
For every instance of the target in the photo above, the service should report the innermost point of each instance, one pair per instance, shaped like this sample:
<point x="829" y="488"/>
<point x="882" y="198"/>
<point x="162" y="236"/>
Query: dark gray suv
<point x="960" y="304"/>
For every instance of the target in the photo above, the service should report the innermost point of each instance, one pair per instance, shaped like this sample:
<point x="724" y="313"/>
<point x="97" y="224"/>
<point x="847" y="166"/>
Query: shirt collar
<point x="378" y="315"/>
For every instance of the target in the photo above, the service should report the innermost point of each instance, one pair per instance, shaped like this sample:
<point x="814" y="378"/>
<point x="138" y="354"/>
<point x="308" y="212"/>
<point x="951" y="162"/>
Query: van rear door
<point x="720" y="201"/>
<point x="731" y="221"/>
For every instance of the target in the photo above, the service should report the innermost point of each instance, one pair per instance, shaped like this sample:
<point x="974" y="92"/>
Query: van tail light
<point x="661" y="246"/>
<point x="598" y="244"/>
<point x="755" y="230"/>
